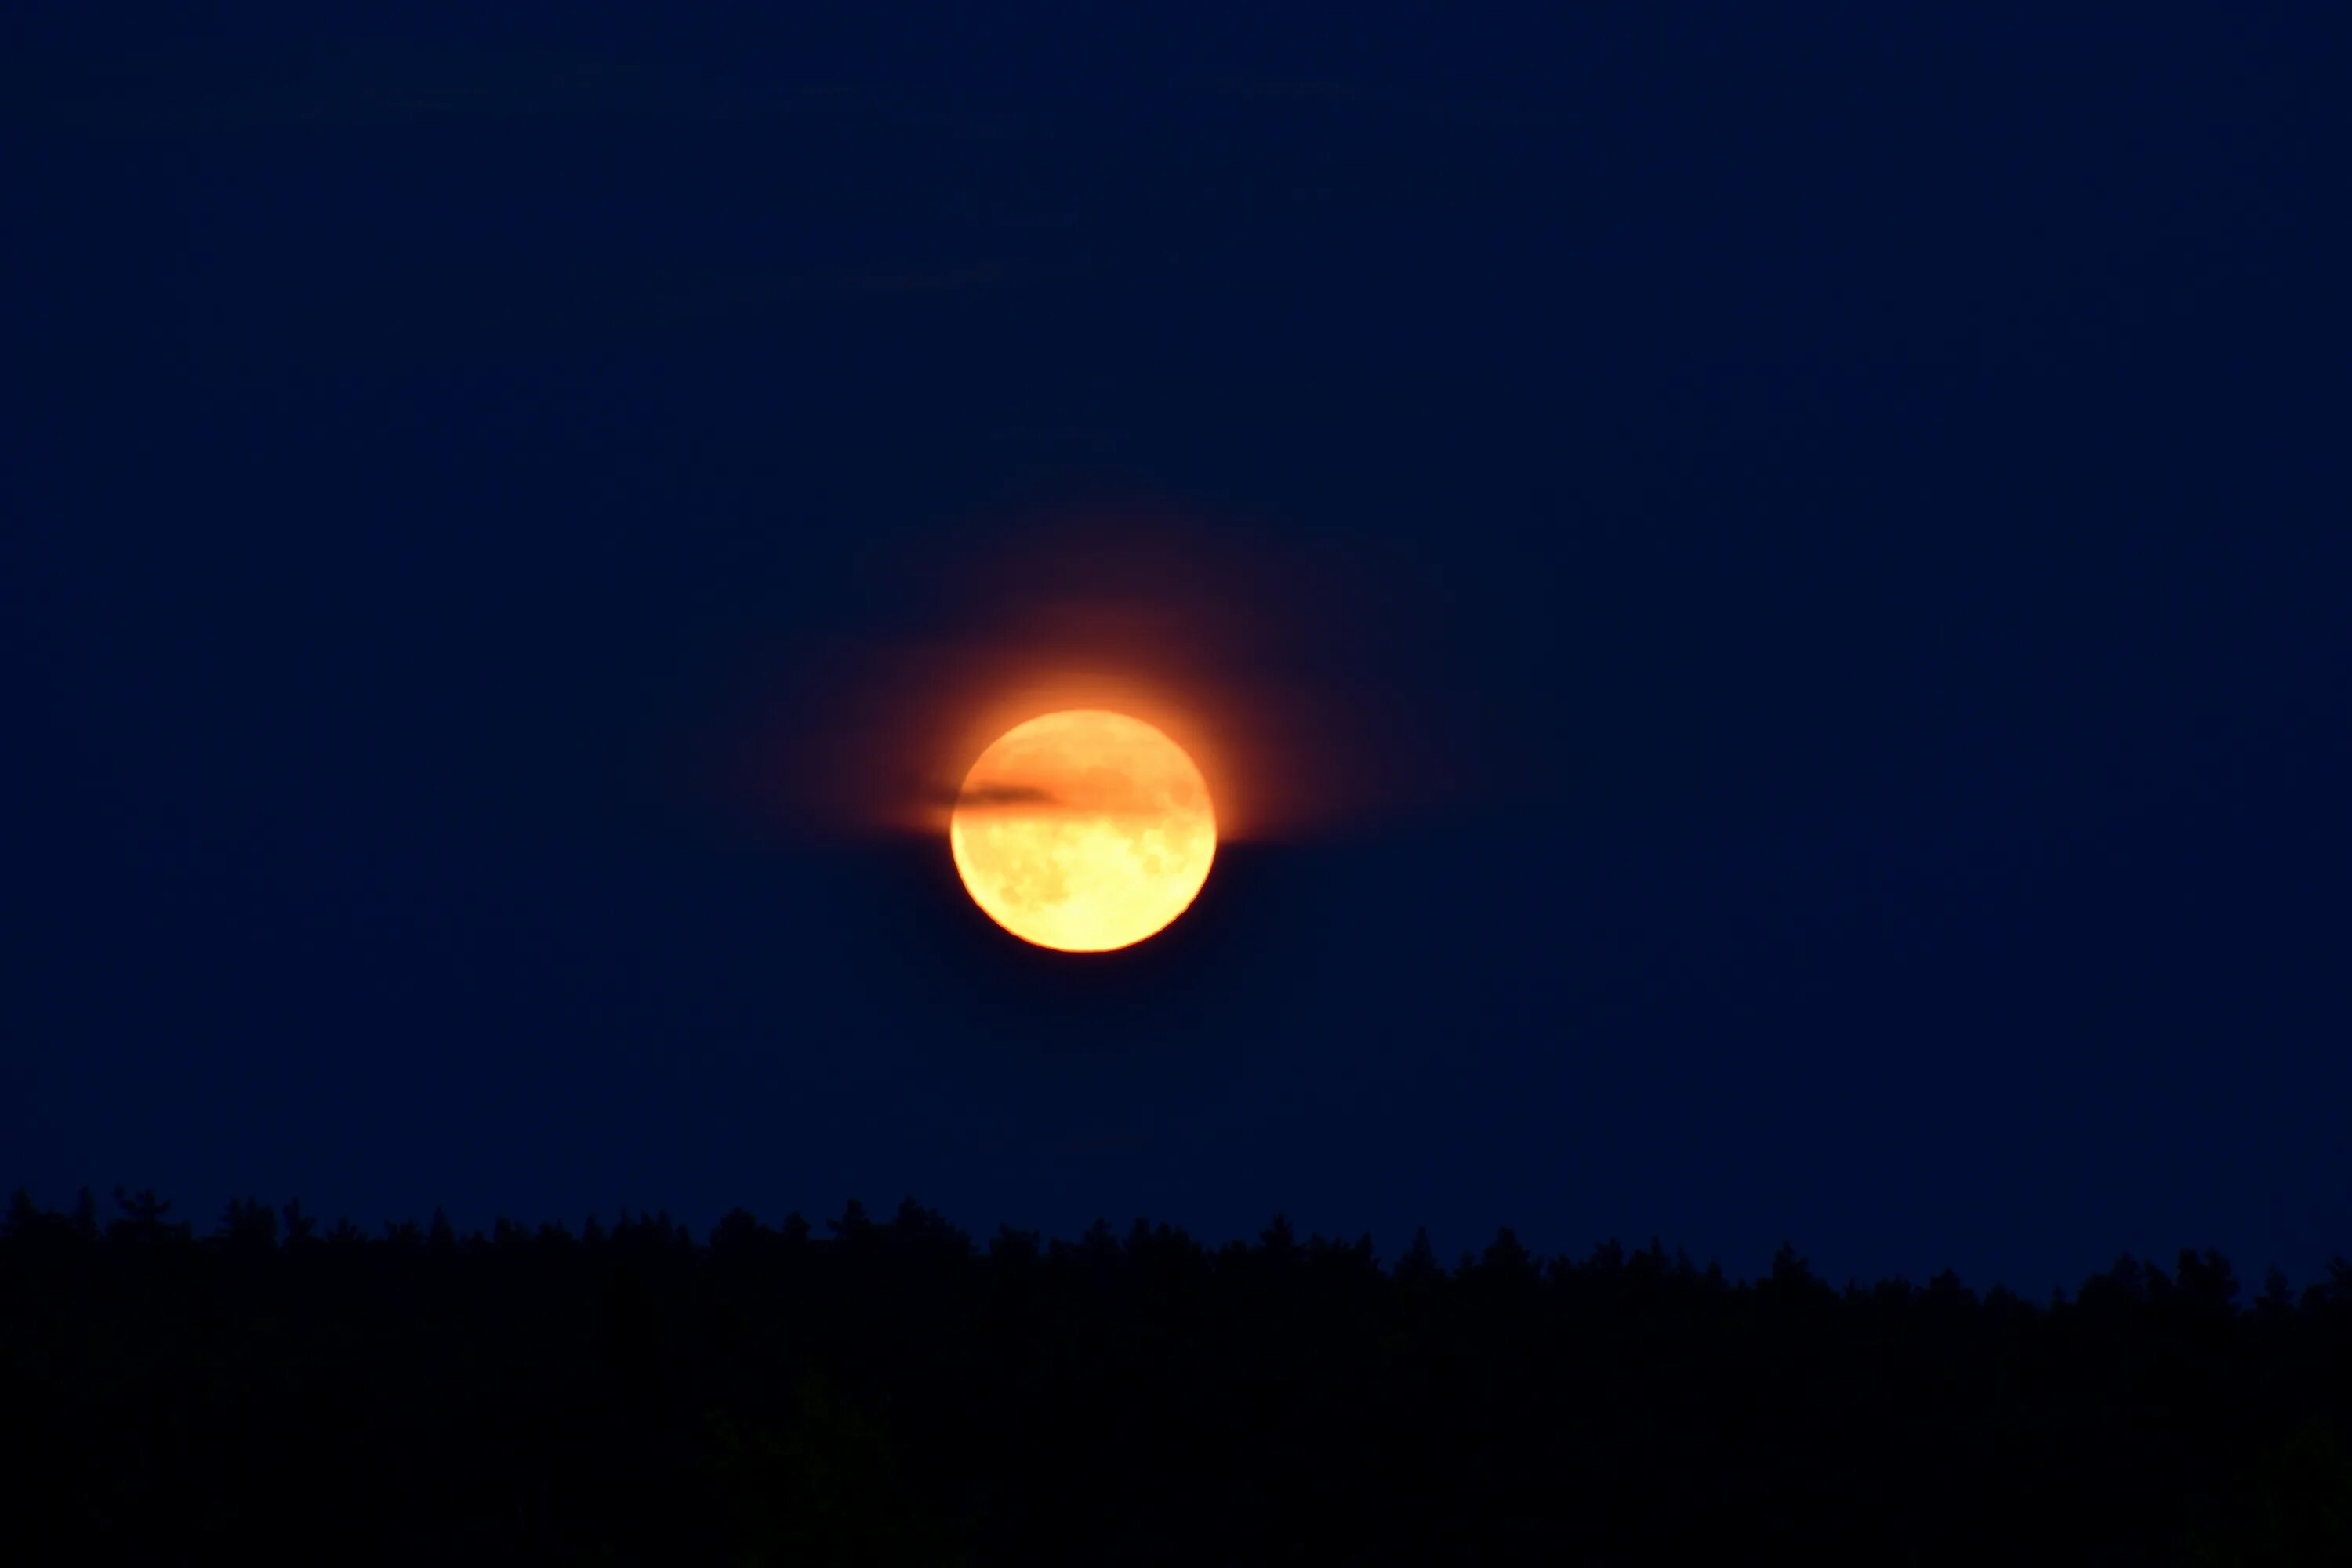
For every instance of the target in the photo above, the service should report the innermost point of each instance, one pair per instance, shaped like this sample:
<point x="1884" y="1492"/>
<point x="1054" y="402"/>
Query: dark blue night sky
<point x="1816" y="537"/>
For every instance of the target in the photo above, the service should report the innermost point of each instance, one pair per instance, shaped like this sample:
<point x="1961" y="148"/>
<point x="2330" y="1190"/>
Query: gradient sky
<point x="1814" y="546"/>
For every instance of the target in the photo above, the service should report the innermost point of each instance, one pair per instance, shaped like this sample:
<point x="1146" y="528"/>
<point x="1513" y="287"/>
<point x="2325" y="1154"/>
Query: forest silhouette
<point x="887" y="1391"/>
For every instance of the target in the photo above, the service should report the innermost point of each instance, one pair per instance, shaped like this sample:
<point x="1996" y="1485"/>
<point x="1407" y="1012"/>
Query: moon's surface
<point x="1083" y="830"/>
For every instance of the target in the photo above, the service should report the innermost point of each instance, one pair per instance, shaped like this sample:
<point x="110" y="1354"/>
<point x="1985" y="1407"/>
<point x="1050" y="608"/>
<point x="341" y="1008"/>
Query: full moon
<point x="1084" y="830"/>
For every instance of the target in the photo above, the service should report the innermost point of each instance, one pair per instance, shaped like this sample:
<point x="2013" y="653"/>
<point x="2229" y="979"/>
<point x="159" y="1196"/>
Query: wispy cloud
<point x="989" y="796"/>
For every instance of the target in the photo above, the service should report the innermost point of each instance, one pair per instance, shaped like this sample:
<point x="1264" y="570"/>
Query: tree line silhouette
<point x="886" y="1391"/>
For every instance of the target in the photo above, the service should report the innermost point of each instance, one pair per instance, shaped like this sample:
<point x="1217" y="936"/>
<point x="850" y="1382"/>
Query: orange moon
<point x="1084" y="830"/>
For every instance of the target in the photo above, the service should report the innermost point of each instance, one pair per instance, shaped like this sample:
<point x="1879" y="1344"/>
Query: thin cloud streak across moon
<point x="986" y="797"/>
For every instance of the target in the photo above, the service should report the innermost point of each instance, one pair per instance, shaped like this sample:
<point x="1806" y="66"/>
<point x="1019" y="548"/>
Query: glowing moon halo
<point x="1083" y="830"/>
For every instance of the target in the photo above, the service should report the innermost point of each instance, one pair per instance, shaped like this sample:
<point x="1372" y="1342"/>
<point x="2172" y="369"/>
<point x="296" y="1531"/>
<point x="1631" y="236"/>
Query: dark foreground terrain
<point x="888" y="1392"/>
